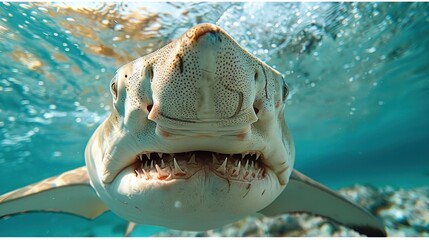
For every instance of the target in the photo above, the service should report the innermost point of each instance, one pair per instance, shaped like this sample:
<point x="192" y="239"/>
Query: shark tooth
<point x="243" y="174"/>
<point x="236" y="171"/>
<point x="160" y="155"/>
<point x="151" y="164"/>
<point x="147" y="155"/>
<point x="214" y="160"/>
<point x="258" y="155"/>
<point x="146" y="174"/>
<point x="261" y="173"/>
<point x="243" y="155"/>
<point x="247" y="165"/>
<point x="192" y="160"/>
<point x="246" y="175"/>
<point x="222" y="168"/>
<point x="177" y="169"/>
<point x="137" y="173"/>
<point x="161" y="173"/>
<point x="257" y="173"/>
<point x="162" y="163"/>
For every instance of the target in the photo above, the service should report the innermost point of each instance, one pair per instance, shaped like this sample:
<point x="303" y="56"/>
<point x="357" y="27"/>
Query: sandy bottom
<point x="404" y="212"/>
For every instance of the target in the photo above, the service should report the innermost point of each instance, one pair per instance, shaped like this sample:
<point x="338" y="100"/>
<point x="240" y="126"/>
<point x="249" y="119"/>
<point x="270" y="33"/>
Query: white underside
<point x="202" y="202"/>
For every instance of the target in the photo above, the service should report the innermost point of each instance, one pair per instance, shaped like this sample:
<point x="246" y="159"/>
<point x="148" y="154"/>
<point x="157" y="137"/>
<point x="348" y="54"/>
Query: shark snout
<point x="194" y="34"/>
<point x="207" y="84"/>
<point x="207" y="41"/>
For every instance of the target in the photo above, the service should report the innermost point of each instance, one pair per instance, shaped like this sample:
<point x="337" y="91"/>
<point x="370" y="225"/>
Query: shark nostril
<point x="256" y="110"/>
<point x="150" y="73"/>
<point x="149" y="107"/>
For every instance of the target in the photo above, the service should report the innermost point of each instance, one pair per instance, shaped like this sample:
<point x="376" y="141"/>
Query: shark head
<point x="197" y="136"/>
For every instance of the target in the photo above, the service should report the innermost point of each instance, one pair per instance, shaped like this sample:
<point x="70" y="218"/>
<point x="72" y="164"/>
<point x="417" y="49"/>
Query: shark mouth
<point x="155" y="166"/>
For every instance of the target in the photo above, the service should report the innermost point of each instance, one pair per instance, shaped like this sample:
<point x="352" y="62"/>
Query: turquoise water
<point x="358" y="74"/>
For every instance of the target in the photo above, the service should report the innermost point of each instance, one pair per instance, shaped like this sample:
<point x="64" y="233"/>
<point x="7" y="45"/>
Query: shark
<point x="196" y="139"/>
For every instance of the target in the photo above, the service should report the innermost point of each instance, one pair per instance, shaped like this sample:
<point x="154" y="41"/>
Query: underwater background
<point x="358" y="74"/>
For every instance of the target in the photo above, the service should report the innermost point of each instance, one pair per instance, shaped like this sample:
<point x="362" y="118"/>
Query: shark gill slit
<point x="266" y="82"/>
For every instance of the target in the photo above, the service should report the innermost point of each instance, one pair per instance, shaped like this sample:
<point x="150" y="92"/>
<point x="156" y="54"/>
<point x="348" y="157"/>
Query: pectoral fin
<point x="303" y="194"/>
<point x="130" y="228"/>
<point x="69" y="192"/>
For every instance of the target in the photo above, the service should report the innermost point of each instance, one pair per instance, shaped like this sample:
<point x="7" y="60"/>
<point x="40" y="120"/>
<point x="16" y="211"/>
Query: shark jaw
<point x="245" y="167"/>
<point x="180" y="190"/>
<point x="161" y="187"/>
<point x="245" y="158"/>
<point x="223" y="156"/>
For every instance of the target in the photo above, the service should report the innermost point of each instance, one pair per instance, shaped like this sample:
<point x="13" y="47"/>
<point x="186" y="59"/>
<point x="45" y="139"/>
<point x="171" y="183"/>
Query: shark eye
<point x="285" y="91"/>
<point x="114" y="89"/>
